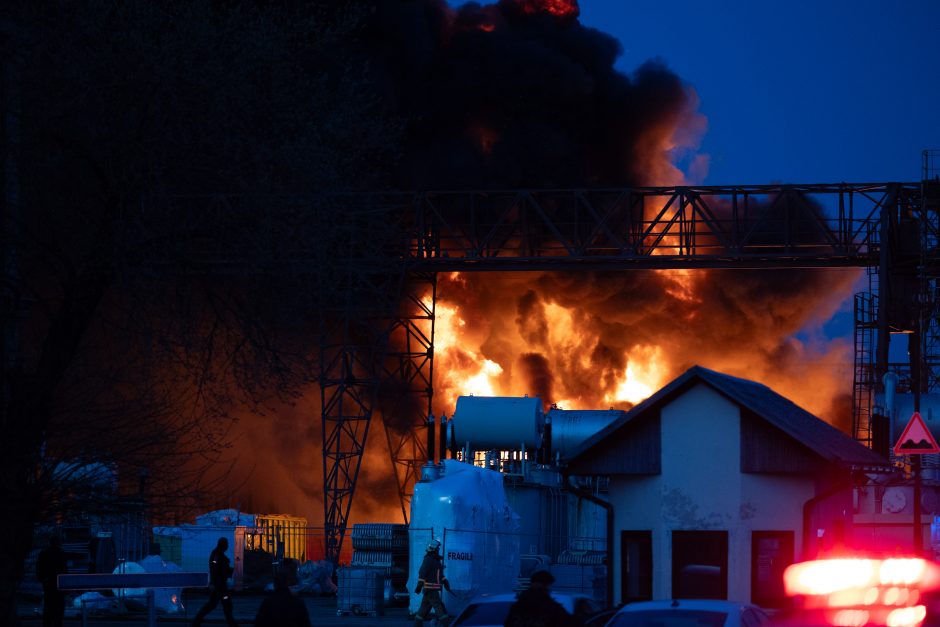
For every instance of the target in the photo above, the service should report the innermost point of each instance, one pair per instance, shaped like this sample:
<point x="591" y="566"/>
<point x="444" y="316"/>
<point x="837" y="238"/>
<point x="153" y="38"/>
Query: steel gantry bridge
<point x="380" y="255"/>
<point x="370" y="264"/>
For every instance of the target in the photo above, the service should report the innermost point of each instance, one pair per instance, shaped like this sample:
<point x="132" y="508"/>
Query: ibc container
<point x="361" y="591"/>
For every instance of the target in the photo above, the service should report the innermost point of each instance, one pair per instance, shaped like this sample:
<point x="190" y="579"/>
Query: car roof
<point x="716" y="605"/>
<point x="567" y="600"/>
<point x="493" y="598"/>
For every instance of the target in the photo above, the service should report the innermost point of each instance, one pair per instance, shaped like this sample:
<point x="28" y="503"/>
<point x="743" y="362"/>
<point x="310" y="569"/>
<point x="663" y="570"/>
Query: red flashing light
<point x="856" y="592"/>
<point x="906" y="616"/>
<point x="827" y="577"/>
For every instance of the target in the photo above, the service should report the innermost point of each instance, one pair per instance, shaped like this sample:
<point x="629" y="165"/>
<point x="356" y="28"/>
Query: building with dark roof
<point x="717" y="484"/>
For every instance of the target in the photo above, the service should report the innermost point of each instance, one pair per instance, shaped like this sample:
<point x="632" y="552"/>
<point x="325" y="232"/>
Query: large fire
<point x="464" y="370"/>
<point x="595" y="341"/>
<point x="599" y="340"/>
<point x="495" y="96"/>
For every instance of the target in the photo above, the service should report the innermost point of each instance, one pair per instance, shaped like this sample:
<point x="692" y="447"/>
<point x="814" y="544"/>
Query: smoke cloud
<point x="521" y="94"/>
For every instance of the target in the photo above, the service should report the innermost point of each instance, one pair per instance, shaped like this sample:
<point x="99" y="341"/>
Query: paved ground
<point x="322" y="614"/>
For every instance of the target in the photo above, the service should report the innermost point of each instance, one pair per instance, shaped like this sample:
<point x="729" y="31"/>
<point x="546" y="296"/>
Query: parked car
<point x="490" y="610"/>
<point x="600" y="618"/>
<point x="689" y="613"/>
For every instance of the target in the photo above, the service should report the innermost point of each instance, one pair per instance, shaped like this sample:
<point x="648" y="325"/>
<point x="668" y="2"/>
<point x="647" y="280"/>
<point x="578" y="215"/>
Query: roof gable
<point x="824" y="440"/>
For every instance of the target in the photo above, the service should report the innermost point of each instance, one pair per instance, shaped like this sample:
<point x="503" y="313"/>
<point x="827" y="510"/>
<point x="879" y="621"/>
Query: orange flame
<point x="593" y="341"/>
<point x="470" y="373"/>
<point x="559" y="8"/>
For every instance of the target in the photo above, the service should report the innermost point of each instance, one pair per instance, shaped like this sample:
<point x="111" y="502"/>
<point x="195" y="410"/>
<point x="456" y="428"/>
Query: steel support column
<point x="409" y="372"/>
<point x="360" y="288"/>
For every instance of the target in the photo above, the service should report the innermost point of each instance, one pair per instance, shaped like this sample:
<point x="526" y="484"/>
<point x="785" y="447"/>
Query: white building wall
<point x="774" y="503"/>
<point x="701" y="487"/>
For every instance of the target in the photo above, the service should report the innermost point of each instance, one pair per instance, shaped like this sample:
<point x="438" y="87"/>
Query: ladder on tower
<point x="930" y="264"/>
<point x="863" y="386"/>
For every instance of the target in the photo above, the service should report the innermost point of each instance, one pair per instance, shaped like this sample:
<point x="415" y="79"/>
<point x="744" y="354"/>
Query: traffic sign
<point x="916" y="438"/>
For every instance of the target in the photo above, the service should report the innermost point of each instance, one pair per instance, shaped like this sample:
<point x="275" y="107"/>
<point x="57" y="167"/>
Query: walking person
<point x="219" y="572"/>
<point x="430" y="581"/>
<point x="51" y="563"/>
<point x="535" y="607"/>
<point x="281" y="608"/>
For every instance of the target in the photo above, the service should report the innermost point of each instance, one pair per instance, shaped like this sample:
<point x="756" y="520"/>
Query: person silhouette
<point x="219" y="572"/>
<point x="281" y="608"/>
<point x="51" y="563"/>
<point x="535" y="607"/>
<point x="431" y="581"/>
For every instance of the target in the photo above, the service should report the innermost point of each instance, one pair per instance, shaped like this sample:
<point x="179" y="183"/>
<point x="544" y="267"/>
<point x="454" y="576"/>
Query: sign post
<point x="916" y="440"/>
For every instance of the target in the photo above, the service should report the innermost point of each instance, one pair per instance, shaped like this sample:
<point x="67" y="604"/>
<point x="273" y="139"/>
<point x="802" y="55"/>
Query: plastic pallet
<point x="358" y="612"/>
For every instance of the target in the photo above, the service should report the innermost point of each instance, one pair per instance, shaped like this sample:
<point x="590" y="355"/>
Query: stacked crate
<point x="76" y="542"/>
<point x="384" y="547"/>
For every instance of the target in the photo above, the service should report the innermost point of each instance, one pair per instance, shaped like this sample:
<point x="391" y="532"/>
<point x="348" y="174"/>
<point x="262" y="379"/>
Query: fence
<point x="478" y="561"/>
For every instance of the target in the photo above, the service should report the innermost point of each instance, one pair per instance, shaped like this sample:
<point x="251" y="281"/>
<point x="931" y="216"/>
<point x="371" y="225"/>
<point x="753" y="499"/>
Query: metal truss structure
<point x="783" y="226"/>
<point x="374" y="259"/>
<point x="903" y="298"/>
<point x="765" y="227"/>
<point x="376" y="352"/>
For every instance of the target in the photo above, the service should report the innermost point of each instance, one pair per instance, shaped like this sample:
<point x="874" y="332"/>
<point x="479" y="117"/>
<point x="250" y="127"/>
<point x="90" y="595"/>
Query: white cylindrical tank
<point x="467" y="511"/>
<point x="498" y="422"/>
<point x="571" y="427"/>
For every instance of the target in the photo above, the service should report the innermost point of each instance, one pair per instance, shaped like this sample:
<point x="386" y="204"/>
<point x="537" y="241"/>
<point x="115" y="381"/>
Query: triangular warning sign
<point x="916" y="439"/>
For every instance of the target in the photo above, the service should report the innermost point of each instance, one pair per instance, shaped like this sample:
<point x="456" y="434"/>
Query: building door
<point x="700" y="564"/>
<point x="636" y="566"/>
<point x="771" y="553"/>
<point x="238" y="555"/>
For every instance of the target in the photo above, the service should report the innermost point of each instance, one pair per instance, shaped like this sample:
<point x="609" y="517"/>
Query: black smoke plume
<point x="513" y="95"/>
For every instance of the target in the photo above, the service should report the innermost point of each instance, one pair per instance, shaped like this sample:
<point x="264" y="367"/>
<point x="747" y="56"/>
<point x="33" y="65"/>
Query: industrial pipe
<point x="431" y="440"/>
<point x="808" y="509"/>
<point x="609" y="508"/>
<point x="453" y="440"/>
<point x="547" y="441"/>
<point x="890" y="380"/>
<point x="443" y="447"/>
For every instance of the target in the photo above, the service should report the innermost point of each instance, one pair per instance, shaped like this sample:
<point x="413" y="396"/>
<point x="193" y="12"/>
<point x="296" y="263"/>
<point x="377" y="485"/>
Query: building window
<point x="771" y="553"/>
<point x="636" y="566"/>
<point x="700" y="564"/>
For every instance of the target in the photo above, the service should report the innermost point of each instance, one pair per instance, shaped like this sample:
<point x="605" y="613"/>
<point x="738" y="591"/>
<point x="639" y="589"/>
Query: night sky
<point x="796" y="91"/>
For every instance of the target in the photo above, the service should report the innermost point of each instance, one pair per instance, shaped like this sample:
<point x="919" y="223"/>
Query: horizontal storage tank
<point x="571" y="427"/>
<point x="498" y="422"/>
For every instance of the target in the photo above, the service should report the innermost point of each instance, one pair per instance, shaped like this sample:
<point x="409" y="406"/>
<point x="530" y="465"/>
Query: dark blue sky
<point x="796" y="91"/>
